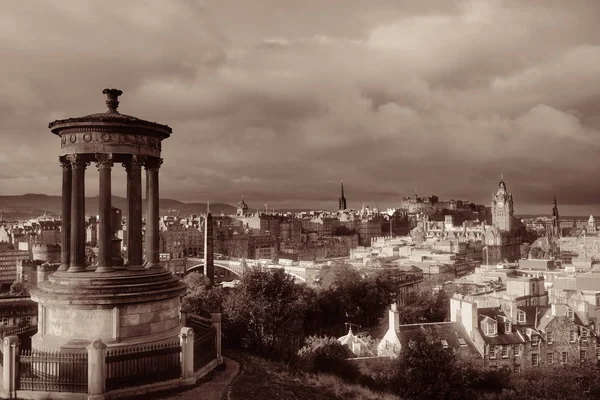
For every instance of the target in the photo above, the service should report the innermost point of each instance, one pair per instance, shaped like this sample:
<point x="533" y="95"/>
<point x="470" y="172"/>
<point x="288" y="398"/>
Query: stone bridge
<point x="239" y="267"/>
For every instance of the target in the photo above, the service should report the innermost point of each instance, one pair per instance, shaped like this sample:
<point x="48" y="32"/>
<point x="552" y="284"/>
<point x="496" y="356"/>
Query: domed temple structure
<point x="123" y="305"/>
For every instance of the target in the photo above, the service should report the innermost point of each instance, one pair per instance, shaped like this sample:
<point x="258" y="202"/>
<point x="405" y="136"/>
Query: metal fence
<point x="142" y="365"/>
<point x="205" y="342"/>
<point x="205" y="349"/>
<point x="52" y="371"/>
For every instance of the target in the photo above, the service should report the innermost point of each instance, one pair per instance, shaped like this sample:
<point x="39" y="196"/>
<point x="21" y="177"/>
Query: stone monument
<point x="130" y="305"/>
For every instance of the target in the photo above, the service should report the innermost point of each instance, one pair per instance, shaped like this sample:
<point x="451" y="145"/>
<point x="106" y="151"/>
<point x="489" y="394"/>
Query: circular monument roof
<point x="111" y="116"/>
<point x="110" y="132"/>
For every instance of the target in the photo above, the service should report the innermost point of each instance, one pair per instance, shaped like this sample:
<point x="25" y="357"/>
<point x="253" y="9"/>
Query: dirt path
<point x="212" y="387"/>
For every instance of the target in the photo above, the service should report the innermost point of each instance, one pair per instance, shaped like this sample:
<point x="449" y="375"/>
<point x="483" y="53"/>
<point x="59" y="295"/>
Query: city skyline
<point x="281" y="103"/>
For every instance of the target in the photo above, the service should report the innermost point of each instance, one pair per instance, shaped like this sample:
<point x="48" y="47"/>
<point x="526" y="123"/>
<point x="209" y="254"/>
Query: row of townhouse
<point x="520" y="337"/>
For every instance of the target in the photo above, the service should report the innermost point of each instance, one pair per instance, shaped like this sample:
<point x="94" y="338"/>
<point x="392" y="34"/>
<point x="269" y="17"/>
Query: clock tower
<point x="502" y="208"/>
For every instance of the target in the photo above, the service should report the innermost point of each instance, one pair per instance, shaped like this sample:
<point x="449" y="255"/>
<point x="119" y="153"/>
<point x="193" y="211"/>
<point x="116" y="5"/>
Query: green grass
<point x="262" y="379"/>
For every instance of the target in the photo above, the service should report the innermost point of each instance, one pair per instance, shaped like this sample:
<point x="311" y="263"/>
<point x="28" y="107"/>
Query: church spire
<point x="342" y="200"/>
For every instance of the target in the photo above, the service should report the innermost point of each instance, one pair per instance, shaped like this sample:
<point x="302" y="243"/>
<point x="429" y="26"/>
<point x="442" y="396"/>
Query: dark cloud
<point x="280" y="100"/>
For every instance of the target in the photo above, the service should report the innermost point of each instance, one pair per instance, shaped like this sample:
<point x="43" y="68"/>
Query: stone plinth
<point x="123" y="308"/>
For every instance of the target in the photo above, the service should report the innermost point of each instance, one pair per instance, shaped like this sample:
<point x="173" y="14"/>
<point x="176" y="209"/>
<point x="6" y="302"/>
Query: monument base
<point x="124" y="308"/>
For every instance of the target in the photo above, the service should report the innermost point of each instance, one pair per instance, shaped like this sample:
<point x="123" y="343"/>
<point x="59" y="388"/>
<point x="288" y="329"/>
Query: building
<point x="242" y="208"/>
<point x="451" y="335"/>
<point x="9" y="260"/>
<point x="504" y="237"/>
<point x="523" y="337"/>
<point x="17" y="311"/>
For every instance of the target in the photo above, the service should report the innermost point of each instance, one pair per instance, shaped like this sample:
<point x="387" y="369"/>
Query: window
<point x="582" y="355"/>
<point x="534" y="359"/>
<point x="550" y="358"/>
<point x="489" y="328"/>
<point x="535" y="339"/>
<point x="517" y="369"/>
<point x="445" y="344"/>
<point x="564" y="357"/>
<point x="462" y="342"/>
<point x="492" y="352"/>
<point x="504" y="351"/>
<point x="572" y="336"/>
<point x="598" y="352"/>
<point x="584" y="335"/>
<point x="570" y="314"/>
<point x="517" y="350"/>
<point x="520" y="316"/>
<point x="507" y="327"/>
<point x="549" y="337"/>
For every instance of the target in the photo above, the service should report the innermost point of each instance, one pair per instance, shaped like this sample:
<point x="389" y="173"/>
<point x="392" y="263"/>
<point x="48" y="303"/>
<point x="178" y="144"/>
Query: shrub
<point x="327" y="355"/>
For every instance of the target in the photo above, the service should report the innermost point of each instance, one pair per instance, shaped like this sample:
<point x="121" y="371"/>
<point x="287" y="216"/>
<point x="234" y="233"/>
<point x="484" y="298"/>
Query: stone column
<point x="77" y="260"/>
<point x="104" y="164"/>
<point x="96" y="369"/>
<point x="134" y="211"/>
<point x="152" y="197"/>
<point x="186" y="338"/>
<point x="65" y="229"/>
<point x="209" y="262"/>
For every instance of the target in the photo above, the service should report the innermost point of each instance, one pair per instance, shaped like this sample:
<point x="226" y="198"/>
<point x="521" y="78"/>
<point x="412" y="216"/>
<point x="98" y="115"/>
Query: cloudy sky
<point x="280" y="100"/>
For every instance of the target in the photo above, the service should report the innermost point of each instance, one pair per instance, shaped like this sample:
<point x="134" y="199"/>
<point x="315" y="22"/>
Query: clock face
<point x="500" y="204"/>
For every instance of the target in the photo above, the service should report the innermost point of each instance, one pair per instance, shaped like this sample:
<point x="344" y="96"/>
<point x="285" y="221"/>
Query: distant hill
<point x="33" y="205"/>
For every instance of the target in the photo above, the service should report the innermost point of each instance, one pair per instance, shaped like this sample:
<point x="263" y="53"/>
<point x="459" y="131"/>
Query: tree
<point x="536" y="253"/>
<point x="327" y="355"/>
<point x="201" y="297"/>
<point x="18" y="289"/>
<point x="425" y="370"/>
<point x="265" y="314"/>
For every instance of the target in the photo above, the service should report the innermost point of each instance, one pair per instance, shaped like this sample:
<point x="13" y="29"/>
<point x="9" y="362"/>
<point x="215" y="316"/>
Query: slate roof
<point x="451" y="332"/>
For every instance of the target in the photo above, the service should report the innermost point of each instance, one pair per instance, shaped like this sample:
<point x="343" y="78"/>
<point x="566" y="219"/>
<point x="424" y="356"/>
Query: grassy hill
<point x="262" y="379"/>
<point x="32" y="205"/>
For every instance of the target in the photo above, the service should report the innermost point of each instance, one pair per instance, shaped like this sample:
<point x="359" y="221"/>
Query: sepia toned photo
<point x="299" y="200"/>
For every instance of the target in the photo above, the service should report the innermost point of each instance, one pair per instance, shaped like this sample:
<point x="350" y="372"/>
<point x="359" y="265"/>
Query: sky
<point x="280" y="100"/>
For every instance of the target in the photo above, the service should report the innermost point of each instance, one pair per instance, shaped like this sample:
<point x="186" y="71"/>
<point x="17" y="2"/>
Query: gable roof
<point x="452" y="333"/>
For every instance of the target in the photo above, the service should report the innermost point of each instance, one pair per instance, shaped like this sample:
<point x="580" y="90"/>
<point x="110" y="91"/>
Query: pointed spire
<point x="208" y="207"/>
<point x="501" y="175"/>
<point x="342" y="188"/>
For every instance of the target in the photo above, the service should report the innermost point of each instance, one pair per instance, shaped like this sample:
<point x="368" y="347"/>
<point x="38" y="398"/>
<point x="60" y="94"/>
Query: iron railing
<point x="52" y="371"/>
<point x="205" y="348"/>
<point x="142" y="365"/>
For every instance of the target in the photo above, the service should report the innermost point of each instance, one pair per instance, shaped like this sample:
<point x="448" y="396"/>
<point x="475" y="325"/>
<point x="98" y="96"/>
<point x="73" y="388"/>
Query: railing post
<point x="216" y="323"/>
<point x="186" y="338"/>
<point x="96" y="370"/>
<point x="10" y="351"/>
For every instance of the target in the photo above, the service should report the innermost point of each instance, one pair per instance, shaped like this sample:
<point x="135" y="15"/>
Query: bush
<point x="327" y="355"/>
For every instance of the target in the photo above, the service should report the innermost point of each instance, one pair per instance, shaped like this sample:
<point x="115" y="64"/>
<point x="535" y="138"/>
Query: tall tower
<point x="242" y="208"/>
<point x="555" y="220"/>
<point x="502" y="207"/>
<point x="209" y="263"/>
<point x="342" y="200"/>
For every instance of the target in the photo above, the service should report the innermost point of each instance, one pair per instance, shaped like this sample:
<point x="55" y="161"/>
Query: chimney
<point x="394" y="318"/>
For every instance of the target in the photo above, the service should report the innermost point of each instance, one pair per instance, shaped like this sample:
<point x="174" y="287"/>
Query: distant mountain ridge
<point x="32" y="205"/>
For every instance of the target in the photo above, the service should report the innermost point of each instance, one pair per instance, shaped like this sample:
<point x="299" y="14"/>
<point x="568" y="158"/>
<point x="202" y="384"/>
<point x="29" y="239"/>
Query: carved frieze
<point x="102" y="140"/>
